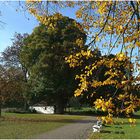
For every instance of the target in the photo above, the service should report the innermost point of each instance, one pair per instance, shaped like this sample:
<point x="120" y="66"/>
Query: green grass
<point x="30" y="125"/>
<point x="19" y="126"/>
<point x="119" y="131"/>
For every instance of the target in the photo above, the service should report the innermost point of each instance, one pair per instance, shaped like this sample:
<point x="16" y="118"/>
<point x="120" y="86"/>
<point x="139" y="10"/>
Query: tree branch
<point x="102" y="27"/>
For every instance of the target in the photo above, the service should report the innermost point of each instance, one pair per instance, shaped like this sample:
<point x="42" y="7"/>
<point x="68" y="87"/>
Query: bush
<point x="32" y="110"/>
<point x="14" y="110"/>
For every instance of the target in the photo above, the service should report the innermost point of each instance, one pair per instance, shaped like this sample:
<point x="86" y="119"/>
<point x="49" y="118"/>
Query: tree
<point x="100" y="75"/>
<point x="44" y="55"/>
<point x="14" y="75"/>
<point x="113" y="25"/>
<point x="1" y="86"/>
<point x="10" y="56"/>
<point x="11" y="87"/>
<point x="112" y="89"/>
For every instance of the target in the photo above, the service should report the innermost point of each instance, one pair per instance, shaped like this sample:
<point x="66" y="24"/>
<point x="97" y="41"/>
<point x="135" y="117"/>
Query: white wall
<point x="43" y="109"/>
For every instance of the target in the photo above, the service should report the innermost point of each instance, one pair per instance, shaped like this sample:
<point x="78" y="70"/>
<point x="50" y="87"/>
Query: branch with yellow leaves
<point x="102" y="27"/>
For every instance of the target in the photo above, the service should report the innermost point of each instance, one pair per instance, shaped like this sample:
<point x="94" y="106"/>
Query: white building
<point x="42" y="108"/>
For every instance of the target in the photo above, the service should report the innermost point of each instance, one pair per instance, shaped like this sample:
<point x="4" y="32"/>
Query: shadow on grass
<point x="106" y="131"/>
<point x="106" y="125"/>
<point x="119" y="132"/>
<point x="118" y="127"/>
<point x="15" y="119"/>
<point x="126" y="123"/>
<point x="87" y="113"/>
<point x="136" y="116"/>
<point x="115" y="132"/>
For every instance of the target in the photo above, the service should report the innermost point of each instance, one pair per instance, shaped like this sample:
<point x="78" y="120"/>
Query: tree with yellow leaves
<point x="115" y="26"/>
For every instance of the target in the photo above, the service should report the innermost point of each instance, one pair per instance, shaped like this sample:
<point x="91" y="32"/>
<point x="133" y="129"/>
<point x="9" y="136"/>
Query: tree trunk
<point x="0" y="108"/>
<point x="59" y="108"/>
<point x="26" y="106"/>
<point x="0" y="104"/>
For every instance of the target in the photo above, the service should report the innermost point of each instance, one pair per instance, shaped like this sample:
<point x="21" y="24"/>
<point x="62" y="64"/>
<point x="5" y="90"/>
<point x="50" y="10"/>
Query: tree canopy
<point x="44" y="55"/>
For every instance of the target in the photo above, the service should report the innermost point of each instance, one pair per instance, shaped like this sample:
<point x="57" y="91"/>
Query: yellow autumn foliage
<point x="113" y="25"/>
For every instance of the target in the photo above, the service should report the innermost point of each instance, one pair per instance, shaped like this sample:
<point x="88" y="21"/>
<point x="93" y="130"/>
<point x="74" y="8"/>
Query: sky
<point x="18" y="21"/>
<point x="22" y="22"/>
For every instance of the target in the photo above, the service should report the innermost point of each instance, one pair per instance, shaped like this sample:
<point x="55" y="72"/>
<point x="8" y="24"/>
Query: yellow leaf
<point x="138" y="44"/>
<point x="132" y="120"/>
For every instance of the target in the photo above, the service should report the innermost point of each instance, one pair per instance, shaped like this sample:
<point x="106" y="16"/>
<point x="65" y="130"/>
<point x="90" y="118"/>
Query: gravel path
<point x="78" y="130"/>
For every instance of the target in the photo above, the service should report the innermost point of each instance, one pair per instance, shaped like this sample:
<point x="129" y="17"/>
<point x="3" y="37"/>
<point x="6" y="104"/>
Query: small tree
<point x="11" y="87"/>
<point x="13" y="71"/>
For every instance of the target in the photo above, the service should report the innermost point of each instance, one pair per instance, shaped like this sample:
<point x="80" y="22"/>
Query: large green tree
<point x="44" y="57"/>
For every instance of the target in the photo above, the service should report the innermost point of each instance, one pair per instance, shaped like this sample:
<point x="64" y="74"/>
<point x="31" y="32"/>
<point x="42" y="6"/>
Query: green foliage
<point x="44" y="55"/>
<point x="74" y="102"/>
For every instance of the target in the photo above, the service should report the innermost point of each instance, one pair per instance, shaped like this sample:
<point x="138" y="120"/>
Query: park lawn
<point x="21" y="126"/>
<point x="119" y="131"/>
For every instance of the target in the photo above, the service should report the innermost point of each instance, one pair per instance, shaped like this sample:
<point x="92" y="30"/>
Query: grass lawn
<point x="20" y="126"/>
<point x="122" y="131"/>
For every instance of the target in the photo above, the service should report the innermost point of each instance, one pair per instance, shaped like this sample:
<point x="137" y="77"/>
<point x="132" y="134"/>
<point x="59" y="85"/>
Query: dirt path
<point x="78" y="130"/>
